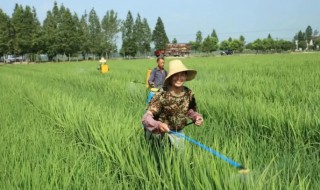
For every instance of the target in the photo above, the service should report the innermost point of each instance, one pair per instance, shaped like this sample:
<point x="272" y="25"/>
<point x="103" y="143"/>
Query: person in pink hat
<point x="170" y="109"/>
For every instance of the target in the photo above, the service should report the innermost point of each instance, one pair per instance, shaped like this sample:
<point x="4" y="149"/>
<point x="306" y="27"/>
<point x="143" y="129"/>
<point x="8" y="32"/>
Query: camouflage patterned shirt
<point x="172" y="109"/>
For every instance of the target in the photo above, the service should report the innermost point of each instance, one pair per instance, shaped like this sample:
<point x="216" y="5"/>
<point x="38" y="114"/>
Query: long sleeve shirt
<point x="157" y="77"/>
<point x="170" y="109"/>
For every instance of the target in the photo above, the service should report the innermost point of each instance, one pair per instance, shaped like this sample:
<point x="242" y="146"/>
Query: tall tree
<point x="268" y="43"/>
<point x="129" y="46"/>
<point x="142" y="35"/>
<point x="5" y="33"/>
<point x="174" y="41"/>
<point x="159" y="36"/>
<point x="308" y="33"/>
<point x="138" y="34"/>
<point x="50" y="29"/>
<point x="147" y="36"/>
<point x="110" y="25"/>
<point x="84" y="35"/>
<point x="37" y="40"/>
<point x="242" y="39"/>
<point x="95" y="35"/>
<point x="214" y="34"/>
<point x="61" y="33"/>
<point x="210" y="44"/>
<point x="22" y="21"/>
<point x="269" y="36"/>
<point x="67" y="35"/>
<point x="26" y="31"/>
<point x="16" y="20"/>
<point x="300" y="36"/>
<point x="243" y="43"/>
<point x="78" y="33"/>
<point x="198" y="42"/>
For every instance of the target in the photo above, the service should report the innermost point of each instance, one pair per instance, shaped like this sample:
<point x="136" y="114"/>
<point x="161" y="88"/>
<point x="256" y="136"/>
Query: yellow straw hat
<point x="176" y="66"/>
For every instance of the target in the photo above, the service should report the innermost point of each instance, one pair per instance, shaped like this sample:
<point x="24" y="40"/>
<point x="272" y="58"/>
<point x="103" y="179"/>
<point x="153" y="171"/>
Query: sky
<point x="182" y="19"/>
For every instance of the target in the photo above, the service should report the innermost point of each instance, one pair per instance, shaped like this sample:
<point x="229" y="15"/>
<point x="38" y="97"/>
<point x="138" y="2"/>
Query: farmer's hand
<point x="199" y="120"/>
<point x="163" y="127"/>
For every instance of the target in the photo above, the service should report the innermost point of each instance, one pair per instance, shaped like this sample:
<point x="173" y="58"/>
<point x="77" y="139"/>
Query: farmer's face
<point x="161" y="63"/>
<point x="178" y="79"/>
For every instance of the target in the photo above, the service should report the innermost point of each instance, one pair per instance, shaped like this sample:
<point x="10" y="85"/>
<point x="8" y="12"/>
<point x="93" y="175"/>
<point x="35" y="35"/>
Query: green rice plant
<point x="67" y="126"/>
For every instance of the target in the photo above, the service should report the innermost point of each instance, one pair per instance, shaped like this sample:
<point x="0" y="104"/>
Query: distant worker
<point x="158" y="74"/>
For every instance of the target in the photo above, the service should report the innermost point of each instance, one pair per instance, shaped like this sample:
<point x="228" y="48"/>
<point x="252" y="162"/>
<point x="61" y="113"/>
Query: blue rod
<point x="233" y="163"/>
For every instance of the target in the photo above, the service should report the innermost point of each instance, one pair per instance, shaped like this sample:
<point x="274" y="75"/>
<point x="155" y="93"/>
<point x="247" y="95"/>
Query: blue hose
<point x="233" y="163"/>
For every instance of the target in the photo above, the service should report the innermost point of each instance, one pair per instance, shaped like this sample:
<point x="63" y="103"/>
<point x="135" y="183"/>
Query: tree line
<point x="308" y="40"/>
<point x="68" y="34"/>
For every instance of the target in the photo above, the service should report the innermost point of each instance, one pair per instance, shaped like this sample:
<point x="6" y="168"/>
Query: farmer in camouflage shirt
<point x="170" y="108"/>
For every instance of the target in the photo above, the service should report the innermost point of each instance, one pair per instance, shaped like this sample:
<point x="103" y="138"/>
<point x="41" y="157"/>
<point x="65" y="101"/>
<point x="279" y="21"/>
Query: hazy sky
<point x="183" y="18"/>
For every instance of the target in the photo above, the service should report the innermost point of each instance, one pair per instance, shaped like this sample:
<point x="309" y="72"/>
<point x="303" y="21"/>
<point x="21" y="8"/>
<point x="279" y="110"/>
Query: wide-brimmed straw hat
<point x="176" y="66"/>
<point x="102" y="60"/>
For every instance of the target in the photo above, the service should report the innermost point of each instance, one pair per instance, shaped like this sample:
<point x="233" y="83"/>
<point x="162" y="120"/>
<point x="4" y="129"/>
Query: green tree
<point x="26" y="36"/>
<point x="129" y="46"/>
<point x="61" y="32"/>
<point x="37" y="41"/>
<point x="269" y="36"/>
<point x="22" y="21"/>
<point x="308" y="33"/>
<point x="77" y="35"/>
<point x="236" y="45"/>
<point x="50" y="29"/>
<point x="138" y="34"/>
<point x="300" y="39"/>
<point x="224" y="45"/>
<point x="302" y="44"/>
<point x="316" y="42"/>
<point x="249" y="46"/>
<point x="301" y="36"/>
<point x="257" y="45"/>
<point x="95" y="34"/>
<point x="159" y="36"/>
<point x="214" y="35"/>
<point x="192" y="45"/>
<point x="209" y="44"/>
<point x="268" y="43"/>
<point x="84" y="35"/>
<point x="242" y="39"/>
<point x="5" y="33"/>
<point x="18" y="32"/>
<point x="174" y="41"/>
<point x="110" y="28"/>
<point x="67" y="33"/>
<point x="285" y="45"/>
<point x="243" y="43"/>
<point x="147" y="36"/>
<point x="198" y="42"/>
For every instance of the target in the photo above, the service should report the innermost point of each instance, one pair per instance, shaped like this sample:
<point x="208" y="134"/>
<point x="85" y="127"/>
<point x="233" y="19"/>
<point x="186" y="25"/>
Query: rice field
<point x="67" y="126"/>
